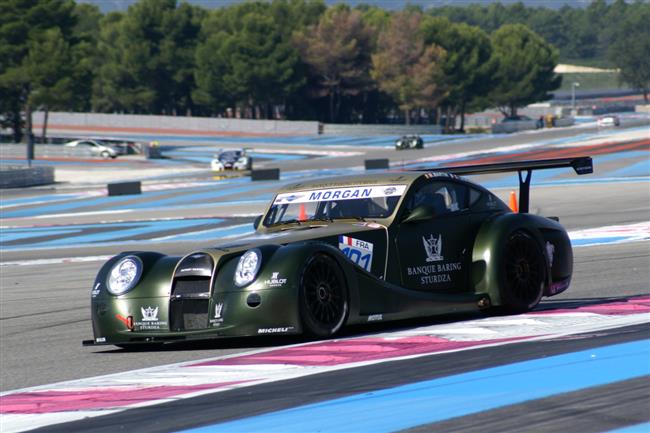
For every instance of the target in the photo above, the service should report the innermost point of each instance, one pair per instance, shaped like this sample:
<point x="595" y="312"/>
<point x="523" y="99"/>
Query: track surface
<point x="44" y="305"/>
<point x="580" y="409"/>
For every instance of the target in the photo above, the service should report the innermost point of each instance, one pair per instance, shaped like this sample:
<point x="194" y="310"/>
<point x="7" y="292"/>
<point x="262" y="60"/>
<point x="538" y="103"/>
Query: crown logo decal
<point x="149" y="314"/>
<point x="433" y="248"/>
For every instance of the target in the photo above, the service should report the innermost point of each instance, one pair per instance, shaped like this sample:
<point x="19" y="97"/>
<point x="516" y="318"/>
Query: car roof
<point x="382" y="178"/>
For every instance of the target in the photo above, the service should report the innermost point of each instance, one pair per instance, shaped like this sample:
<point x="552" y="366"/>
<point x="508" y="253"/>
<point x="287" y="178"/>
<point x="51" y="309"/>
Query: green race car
<point x="348" y="250"/>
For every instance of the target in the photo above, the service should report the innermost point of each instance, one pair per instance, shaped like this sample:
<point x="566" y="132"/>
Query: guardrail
<point x="104" y="123"/>
<point x="19" y="177"/>
<point x="19" y="151"/>
<point x="514" y="126"/>
<point x="380" y="129"/>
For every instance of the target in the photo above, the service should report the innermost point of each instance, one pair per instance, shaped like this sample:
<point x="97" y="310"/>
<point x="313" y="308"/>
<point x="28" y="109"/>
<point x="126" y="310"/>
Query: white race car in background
<point x="232" y="160"/>
<point x="93" y="147"/>
<point x="609" y="120"/>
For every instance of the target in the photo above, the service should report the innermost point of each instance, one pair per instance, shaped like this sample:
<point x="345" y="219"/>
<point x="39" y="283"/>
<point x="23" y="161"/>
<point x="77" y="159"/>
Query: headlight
<point x="247" y="267"/>
<point x="124" y="275"/>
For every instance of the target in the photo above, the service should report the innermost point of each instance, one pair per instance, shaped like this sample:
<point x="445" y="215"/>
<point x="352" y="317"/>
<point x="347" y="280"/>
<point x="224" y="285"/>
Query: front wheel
<point x="524" y="270"/>
<point x="323" y="296"/>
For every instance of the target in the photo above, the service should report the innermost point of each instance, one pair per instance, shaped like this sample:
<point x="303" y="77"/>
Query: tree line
<point x="299" y="59"/>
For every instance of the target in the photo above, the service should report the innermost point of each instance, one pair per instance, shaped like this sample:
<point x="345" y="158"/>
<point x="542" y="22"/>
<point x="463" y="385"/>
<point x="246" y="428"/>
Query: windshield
<point x="358" y="202"/>
<point x="229" y="156"/>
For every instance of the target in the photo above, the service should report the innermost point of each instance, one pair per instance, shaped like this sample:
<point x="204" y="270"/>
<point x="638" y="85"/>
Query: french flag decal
<point x="357" y="250"/>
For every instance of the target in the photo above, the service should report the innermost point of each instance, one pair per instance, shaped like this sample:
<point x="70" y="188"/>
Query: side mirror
<point x="420" y="213"/>
<point x="257" y="221"/>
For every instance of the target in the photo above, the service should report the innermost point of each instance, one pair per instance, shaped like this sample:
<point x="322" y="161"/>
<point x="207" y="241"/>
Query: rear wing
<point x="581" y="165"/>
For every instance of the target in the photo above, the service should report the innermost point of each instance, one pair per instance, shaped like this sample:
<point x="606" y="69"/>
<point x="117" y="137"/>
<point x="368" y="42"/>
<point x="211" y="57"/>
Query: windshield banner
<point x="344" y="193"/>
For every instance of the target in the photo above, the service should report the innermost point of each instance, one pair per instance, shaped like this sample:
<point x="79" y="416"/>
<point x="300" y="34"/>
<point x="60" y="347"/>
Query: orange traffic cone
<point x="302" y="215"/>
<point x="513" y="202"/>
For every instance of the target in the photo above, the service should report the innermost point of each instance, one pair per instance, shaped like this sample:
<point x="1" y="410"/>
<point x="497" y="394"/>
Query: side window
<point x="474" y="196"/>
<point x="442" y="197"/>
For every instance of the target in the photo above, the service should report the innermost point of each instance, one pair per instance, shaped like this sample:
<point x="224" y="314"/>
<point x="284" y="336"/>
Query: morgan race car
<point x="232" y="160"/>
<point x="348" y="250"/>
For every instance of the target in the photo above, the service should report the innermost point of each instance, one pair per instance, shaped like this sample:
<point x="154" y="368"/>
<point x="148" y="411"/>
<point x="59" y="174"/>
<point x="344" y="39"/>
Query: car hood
<point x="297" y="233"/>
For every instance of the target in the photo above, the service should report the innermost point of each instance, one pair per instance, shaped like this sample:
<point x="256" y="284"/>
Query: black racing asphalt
<point x="596" y="409"/>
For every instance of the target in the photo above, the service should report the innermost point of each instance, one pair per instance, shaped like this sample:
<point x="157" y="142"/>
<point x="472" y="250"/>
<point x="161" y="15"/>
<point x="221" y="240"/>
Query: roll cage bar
<point x="581" y="165"/>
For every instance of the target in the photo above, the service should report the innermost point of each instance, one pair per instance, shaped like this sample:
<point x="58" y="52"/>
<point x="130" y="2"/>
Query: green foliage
<point x="579" y="33"/>
<point x="301" y="59"/>
<point x="630" y="50"/>
<point x="590" y="80"/>
<point x="468" y="66"/>
<point x="148" y="58"/>
<point x="406" y="68"/>
<point x="524" y="68"/>
<point x="48" y="65"/>
<point x="34" y="36"/>
<point x="247" y="58"/>
<point x="337" y="51"/>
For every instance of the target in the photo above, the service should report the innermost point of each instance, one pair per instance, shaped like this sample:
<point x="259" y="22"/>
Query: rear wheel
<point x="523" y="273"/>
<point x="323" y="296"/>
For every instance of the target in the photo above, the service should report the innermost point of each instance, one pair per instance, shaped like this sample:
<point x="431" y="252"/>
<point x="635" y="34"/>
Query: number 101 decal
<point x="358" y="251"/>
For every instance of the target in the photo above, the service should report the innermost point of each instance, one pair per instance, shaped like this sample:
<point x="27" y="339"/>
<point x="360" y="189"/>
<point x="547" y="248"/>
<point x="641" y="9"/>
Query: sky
<point x="117" y="5"/>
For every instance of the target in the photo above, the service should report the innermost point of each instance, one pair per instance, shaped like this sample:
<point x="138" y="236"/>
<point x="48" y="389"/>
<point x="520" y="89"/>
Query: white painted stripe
<point x="80" y="214"/>
<point x="336" y="153"/>
<point x="198" y="232"/>
<point x="55" y="261"/>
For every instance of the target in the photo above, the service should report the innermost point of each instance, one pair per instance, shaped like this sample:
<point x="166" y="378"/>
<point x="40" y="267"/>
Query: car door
<point x="435" y="252"/>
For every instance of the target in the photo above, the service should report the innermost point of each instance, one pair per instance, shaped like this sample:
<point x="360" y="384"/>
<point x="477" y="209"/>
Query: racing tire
<point x="524" y="272"/>
<point x="323" y="296"/>
<point x="105" y="154"/>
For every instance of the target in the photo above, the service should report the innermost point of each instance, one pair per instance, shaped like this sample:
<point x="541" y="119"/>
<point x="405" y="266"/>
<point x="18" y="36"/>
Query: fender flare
<point x="485" y="273"/>
<point x="305" y="250"/>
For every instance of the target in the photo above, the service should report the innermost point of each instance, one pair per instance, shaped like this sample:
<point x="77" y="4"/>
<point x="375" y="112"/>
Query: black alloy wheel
<point x="524" y="273"/>
<point x="323" y="296"/>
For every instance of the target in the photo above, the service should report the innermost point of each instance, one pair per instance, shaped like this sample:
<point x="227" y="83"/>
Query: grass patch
<point x="602" y="63"/>
<point x="591" y="81"/>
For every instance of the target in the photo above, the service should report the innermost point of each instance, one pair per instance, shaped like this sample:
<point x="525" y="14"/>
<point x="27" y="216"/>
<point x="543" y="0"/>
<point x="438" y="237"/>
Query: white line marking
<point x="55" y="261"/>
<point x="79" y="214"/>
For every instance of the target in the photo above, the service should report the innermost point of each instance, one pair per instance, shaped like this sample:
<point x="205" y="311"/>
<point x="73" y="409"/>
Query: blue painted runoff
<point x="436" y="400"/>
<point x="636" y="428"/>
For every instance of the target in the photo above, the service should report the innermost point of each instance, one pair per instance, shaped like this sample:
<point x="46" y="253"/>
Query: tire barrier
<point x="266" y="174"/>
<point x="376" y="164"/>
<point x="124" y="188"/>
<point x="20" y="177"/>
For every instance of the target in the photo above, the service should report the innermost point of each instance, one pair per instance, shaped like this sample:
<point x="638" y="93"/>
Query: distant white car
<point x="95" y="148"/>
<point x="609" y="120"/>
<point x="232" y="160"/>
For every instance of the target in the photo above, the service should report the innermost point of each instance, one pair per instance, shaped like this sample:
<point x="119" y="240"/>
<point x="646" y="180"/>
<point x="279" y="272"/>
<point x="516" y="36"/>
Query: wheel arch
<point x="488" y="250"/>
<point x="293" y="257"/>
